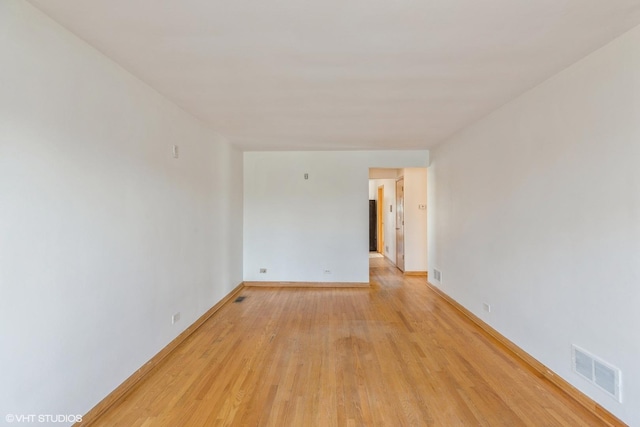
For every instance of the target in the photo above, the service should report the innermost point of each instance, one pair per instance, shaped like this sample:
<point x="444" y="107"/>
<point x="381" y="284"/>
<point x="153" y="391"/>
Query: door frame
<point x="380" y="219"/>
<point x="400" y="224"/>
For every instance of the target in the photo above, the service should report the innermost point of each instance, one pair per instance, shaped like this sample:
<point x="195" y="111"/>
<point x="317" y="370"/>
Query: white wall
<point x="103" y="235"/>
<point x="298" y="228"/>
<point x="372" y="190"/>
<point x="384" y="173"/>
<point x="536" y="210"/>
<point x="415" y="219"/>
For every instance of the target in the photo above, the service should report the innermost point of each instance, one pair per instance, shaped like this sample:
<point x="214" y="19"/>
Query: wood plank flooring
<point x="391" y="355"/>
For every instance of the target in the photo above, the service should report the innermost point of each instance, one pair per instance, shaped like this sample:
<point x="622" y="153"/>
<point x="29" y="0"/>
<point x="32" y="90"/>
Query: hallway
<point x="394" y="354"/>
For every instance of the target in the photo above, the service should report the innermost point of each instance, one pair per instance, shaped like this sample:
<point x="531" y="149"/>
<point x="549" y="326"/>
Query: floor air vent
<point x="437" y="275"/>
<point x="598" y="372"/>
<point x="239" y="299"/>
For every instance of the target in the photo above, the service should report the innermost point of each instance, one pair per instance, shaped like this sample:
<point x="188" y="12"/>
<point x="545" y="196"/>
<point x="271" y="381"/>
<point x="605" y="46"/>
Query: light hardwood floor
<point x="392" y="355"/>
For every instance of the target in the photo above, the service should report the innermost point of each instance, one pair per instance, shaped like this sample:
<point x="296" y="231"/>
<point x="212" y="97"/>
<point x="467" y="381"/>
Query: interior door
<point x="400" y="224"/>
<point x="381" y="219"/>
<point x="372" y="226"/>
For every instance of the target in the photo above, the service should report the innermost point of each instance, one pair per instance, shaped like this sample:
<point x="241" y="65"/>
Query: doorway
<point x="400" y="224"/>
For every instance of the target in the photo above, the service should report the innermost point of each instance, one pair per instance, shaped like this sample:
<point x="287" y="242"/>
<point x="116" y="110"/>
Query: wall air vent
<point x="598" y="372"/>
<point x="437" y="275"/>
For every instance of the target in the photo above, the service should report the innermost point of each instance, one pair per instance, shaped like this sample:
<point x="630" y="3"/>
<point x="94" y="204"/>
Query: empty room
<point x="356" y="213"/>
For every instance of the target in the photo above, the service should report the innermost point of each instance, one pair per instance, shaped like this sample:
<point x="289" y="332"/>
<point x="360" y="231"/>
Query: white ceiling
<point x="343" y="74"/>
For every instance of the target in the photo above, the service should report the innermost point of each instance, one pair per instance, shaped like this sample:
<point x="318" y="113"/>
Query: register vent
<point x="437" y="275"/>
<point x="598" y="372"/>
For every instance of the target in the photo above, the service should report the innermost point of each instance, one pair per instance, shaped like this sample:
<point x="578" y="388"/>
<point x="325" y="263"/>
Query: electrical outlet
<point x="263" y="270"/>
<point x="176" y="152"/>
<point x="486" y="307"/>
<point x="327" y="271"/>
<point x="175" y="318"/>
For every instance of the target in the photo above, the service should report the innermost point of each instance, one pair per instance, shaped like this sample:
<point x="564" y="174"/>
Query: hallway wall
<point x="415" y="219"/>
<point x="297" y="228"/>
